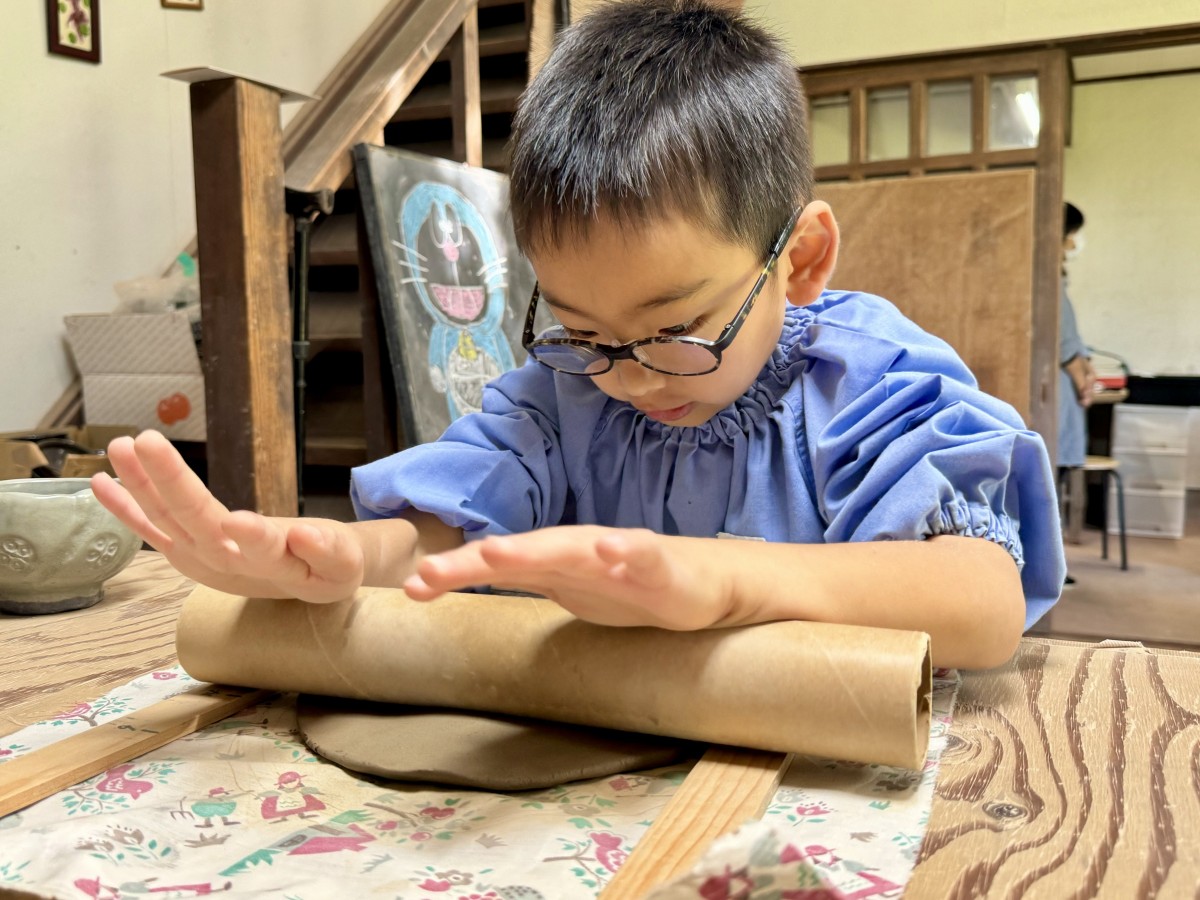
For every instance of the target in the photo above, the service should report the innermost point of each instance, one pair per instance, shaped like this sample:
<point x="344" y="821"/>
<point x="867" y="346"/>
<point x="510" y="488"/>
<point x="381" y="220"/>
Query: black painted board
<point x="453" y="287"/>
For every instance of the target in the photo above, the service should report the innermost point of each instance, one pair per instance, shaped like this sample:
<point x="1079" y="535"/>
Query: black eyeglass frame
<point x="626" y="351"/>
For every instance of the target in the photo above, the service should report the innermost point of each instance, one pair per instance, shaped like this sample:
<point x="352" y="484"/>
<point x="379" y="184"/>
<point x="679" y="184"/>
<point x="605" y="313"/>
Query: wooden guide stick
<point x="728" y="787"/>
<point x="37" y="775"/>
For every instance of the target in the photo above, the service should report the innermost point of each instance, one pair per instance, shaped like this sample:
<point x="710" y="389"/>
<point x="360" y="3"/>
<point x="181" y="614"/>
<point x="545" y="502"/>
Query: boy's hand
<point x="610" y="576"/>
<point x="167" y="506"/>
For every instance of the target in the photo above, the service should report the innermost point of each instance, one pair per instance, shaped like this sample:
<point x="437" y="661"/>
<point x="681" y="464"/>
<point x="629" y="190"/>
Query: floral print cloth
<point x="242" y="808"/>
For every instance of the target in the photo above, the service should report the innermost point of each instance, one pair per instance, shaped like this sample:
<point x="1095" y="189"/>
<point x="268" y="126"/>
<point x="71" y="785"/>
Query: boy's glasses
<point x="681" y="355"/>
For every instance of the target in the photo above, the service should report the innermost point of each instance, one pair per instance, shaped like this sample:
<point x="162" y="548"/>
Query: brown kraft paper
<point x="837" y="691"/>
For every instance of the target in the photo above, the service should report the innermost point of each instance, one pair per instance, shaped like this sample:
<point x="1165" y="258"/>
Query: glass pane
<point x="1015" y="118"/>
<point x="948" y="120"/>
<point x="887" y="123"/>
<point x="830" y="123"/>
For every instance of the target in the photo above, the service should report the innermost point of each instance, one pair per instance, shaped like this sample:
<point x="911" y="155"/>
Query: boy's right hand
<point x="168" y="506"/>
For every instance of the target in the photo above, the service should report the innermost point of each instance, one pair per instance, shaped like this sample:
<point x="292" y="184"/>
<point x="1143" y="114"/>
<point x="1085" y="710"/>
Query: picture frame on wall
<point x="73" y="28"/>
<point x="183" y="4"/>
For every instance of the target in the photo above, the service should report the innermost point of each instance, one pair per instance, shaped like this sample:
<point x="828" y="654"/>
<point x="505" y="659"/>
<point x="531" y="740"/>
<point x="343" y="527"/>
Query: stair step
<point x="495" y="151"/>
<point x="334" y="320"/>
<point x="499" y="40"/>
<point x="345" y="450"/>
<point x="433" y="101"/>
<point x="334" y="242"/>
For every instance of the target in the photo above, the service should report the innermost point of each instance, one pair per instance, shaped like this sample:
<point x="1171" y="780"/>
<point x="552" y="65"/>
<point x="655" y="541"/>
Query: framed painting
<point x="452" y="285"/>
<point x="73" y="28"/>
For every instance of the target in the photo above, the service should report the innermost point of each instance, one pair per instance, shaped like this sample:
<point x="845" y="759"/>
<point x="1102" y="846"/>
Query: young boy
<point x="701" y="384"/>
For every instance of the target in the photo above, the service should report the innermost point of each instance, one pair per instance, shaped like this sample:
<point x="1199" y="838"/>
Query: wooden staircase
<point x="441" y="77"/>
<point x="337" y="426"/>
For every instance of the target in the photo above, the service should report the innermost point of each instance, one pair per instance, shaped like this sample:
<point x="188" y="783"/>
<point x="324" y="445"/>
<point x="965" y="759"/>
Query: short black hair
<point x="1072" y="219"/>
<point x="650" y="108"/>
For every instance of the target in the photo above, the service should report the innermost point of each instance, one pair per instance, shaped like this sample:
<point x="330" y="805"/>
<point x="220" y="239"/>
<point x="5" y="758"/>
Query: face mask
<point x="1072" y="252"/>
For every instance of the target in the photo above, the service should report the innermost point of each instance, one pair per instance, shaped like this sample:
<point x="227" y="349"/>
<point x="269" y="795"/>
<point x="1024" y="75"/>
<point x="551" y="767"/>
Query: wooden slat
<point x="47" y="771"/>
<point x="727" y="788"/>
<point x="466" y="119"/>
<point x="417" y="32"/>
<point x="436" y="101"/>
<point x="241" y="228"/>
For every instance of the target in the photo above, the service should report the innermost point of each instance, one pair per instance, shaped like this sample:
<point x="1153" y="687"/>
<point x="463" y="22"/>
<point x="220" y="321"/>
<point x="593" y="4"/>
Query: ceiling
<point x="1133" y="63"/>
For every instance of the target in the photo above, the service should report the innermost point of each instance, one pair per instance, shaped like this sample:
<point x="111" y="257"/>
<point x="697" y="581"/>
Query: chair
<point x="1107" y="467"/>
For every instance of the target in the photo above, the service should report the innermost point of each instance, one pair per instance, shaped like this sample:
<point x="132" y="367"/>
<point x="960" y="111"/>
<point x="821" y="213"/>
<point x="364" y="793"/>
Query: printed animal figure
<point x="291" y="799"/>
<point x="115" y="782"/>
<point x="219" y="804"/>
<point x="459" y="276"/>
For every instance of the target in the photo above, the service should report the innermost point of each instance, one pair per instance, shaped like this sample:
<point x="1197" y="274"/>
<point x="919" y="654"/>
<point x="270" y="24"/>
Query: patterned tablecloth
<point x="243" y="808"/>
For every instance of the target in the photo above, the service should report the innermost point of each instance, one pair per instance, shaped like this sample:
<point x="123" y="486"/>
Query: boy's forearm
<point x="393" y="547"/>
<point x="964" y="592"/>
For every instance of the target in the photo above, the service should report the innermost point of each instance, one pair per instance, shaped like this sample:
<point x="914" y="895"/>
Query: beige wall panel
<point x="955" y="254"/>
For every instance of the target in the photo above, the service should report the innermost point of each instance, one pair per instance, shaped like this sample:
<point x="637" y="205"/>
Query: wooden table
<point x="1073" y="771"/>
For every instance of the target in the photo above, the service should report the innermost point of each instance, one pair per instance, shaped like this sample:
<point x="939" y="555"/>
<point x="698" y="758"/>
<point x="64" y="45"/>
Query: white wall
<point x="825" y="32"/>
<point x="1133" y="167"/>
<point x="95" y="161"/>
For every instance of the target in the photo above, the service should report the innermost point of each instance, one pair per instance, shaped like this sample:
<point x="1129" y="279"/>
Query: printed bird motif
<point x="115" y="782"/>
<point x="608" y="849"/>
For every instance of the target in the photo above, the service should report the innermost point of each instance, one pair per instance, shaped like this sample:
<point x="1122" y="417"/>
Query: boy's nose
<point x="635" y="379"/>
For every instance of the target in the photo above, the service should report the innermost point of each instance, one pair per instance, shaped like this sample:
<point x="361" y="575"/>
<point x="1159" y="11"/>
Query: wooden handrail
<point x="362" y="94"/>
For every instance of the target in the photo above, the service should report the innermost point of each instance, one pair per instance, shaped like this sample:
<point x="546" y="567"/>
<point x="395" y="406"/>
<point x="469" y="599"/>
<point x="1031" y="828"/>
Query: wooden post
<point x="464" y="84"/>
<point x="242" y="239"/>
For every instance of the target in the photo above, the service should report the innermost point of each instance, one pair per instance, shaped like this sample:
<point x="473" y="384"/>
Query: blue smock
<point x="860" y="427"/>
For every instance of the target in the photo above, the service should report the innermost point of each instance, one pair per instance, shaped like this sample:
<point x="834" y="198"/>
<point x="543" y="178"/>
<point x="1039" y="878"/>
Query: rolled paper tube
<point x="836" y="691"/>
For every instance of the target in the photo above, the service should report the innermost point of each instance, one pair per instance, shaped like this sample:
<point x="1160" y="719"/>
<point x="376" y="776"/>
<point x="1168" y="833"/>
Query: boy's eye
<point x="681" y="330"/>
<point x="579" y="335"/>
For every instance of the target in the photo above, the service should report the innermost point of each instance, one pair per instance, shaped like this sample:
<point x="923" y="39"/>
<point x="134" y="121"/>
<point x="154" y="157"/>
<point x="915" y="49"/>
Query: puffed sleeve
<point x="499" y="471"/>
<point x="904" y="446"/>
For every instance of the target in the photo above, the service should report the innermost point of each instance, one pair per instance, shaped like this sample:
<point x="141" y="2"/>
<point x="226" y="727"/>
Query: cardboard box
<point x="22" y="457"/>
<point x="140" y="370"/>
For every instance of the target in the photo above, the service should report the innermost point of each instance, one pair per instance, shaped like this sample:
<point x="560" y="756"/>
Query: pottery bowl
<point x="58" y="545"/>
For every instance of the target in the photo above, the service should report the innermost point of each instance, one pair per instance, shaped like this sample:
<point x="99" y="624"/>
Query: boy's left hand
<point x="610" y="576"/>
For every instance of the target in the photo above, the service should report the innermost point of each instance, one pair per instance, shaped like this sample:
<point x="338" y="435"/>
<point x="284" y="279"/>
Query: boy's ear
<point x="808" y="260"/>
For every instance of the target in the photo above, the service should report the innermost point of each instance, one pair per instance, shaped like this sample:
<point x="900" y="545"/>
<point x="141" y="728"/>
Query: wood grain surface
<point x="51" y="663"/>
<point x="1072" y="772"/>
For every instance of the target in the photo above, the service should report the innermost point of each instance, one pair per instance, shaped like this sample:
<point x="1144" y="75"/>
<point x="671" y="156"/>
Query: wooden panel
<point x="242" y="234"/>
<point x="955" y="254"/>
<point x="1053" y="89"/>
<point x="1072" y="771"/>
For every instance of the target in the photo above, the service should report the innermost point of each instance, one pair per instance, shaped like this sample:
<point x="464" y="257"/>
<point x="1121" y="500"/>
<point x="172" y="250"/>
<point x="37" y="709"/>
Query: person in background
<point x="1077" y="378"/>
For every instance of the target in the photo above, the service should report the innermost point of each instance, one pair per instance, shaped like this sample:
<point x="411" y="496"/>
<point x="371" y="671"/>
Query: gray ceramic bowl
<point x="58" y="545"/>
